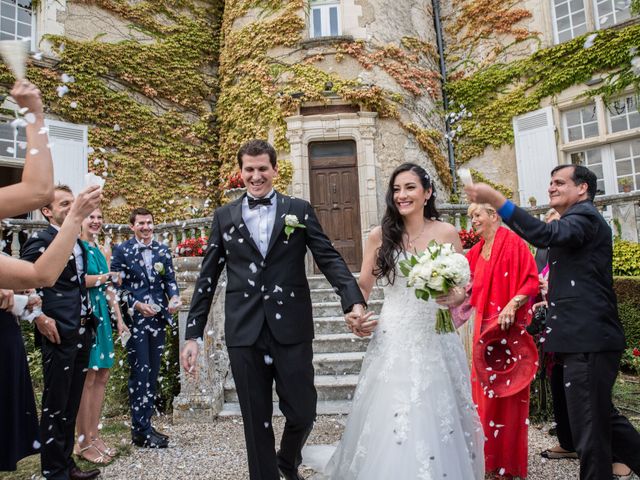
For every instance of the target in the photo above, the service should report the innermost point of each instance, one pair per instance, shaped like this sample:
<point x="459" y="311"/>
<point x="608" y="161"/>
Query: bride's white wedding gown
<point x="412" y="417"/>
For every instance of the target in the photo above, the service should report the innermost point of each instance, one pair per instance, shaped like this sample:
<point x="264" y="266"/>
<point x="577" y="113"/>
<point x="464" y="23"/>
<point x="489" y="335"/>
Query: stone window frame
<point x="11" y="137"/>
<point x="360" y="127"/>
<point x="16" y="7"/>
<point x="604" y="144"/>
<point x="583" y="122"/>
<point x="591" y="18"/>
<point x="324" y="8"/>
<point x="616" y="20"/>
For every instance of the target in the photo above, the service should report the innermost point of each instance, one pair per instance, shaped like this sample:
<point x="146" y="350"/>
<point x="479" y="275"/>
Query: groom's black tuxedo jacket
<point x="583" y="314"/>
<point x="272" y="289"/>
<point x="63" y="301"/>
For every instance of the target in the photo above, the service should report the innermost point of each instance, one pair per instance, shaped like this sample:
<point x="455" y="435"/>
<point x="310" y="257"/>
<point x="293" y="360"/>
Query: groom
<point x="268" y="317"/>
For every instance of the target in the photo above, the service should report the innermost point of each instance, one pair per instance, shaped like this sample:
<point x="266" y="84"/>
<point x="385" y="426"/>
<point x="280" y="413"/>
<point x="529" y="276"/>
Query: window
<point x="623" y="114"/>
<point x="13" y="141"/>
<point x="16" y="19"/>
<point x="325" y="21"/>
<point x="611" y="132"/>
<point x="610" y="12"/>
<point x="592" y="159"/>
<point x="627" y="162"/>
<point x="580" y="123"/>
<point x="569" y="18"/>
<point x="572" y="18"/>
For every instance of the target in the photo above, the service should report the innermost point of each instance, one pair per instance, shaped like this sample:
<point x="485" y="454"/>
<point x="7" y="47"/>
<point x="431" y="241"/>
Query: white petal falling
<point x="14" y="53"/>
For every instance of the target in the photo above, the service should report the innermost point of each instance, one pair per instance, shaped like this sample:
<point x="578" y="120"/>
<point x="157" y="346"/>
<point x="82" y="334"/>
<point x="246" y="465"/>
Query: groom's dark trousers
<point x="254" y="369"/>
<point x="584" y="332"/>
<point x="269" y="320"/>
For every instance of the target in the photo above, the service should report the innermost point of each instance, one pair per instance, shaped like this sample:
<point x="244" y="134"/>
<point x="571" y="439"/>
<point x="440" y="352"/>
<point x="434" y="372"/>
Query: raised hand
<point x="27" y="95"/>
<point x="86" y="202"/>
<point x="483" y="193"/>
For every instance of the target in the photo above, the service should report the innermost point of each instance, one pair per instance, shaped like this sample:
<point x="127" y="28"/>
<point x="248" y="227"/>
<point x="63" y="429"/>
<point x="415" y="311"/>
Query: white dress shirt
<point x="147" y="256"/>
<point x="260" y="220"/>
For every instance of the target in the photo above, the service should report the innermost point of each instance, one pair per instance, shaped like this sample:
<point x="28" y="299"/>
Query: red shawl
<point x="511" y="271"/>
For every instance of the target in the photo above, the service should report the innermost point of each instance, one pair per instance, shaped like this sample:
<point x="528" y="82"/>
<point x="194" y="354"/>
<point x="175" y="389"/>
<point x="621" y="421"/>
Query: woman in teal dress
<point x="103" y="301"/>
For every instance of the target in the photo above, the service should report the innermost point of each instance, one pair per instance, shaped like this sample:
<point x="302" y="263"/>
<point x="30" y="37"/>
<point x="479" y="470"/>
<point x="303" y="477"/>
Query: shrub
<point x="116" y="400"/>
<point x="628" y="292"/>
<point x="626" y="258"/>
<point x="627" y="289"/>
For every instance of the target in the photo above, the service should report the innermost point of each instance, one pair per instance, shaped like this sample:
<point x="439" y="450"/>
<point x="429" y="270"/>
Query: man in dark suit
<point x="149" y="285"/>
<point x="65" y="334"/>
<point x="583" y="328"/>
<point x="262" y="238"/>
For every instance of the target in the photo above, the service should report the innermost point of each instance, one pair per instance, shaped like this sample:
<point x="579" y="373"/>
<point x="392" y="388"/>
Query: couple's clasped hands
<point x="359" y="321"/>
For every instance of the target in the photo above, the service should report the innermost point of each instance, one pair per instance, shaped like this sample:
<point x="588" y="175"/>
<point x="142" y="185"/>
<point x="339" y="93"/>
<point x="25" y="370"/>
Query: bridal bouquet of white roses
<point x="433" y="273"/>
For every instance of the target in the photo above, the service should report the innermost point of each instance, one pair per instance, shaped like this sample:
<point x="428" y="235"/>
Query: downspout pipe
<point x="445" y="98"/>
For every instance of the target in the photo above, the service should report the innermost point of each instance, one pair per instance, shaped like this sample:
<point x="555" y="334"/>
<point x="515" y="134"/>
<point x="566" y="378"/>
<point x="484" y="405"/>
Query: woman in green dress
<point x="103" y="301"/>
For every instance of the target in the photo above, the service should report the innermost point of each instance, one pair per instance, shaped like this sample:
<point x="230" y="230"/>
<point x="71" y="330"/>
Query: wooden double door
<point x="335" y="197"/>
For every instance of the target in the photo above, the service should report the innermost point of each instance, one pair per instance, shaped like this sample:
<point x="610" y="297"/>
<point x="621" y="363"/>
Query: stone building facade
<point x="348" y="89"/>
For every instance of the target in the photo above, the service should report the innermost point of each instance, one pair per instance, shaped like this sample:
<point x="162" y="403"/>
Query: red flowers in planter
<point x="636" y="352"/>
<point x="468" y="238"/>
<point x="235" y="181"/>
<point x="192" y="247"/>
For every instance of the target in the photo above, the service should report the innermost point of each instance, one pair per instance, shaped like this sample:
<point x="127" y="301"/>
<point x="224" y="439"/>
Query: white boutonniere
<point x="159" y="268"/>
<point x="291" y="223"/>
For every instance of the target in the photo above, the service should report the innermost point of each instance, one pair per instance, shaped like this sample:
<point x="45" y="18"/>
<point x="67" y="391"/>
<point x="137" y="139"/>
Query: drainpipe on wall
<point x="445" y="98"/>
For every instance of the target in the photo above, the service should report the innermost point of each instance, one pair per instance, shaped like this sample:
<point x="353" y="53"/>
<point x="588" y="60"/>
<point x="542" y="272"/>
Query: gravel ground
<point x="216" y="451"/>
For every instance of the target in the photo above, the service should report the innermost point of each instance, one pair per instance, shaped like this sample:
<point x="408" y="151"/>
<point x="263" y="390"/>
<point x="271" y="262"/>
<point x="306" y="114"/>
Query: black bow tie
<point x="142" y="248"/>
<point x="254" y="202"/>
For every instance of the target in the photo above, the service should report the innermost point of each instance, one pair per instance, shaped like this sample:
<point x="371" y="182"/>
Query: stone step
<point x="339" y="343"/>
<point x="329" y="387"/>
<point x="325" y="325"/>
<point x="334" y="364"/>
<point x="319" y="281"/>
<point x="320" y="295"/>
<point x="326" y="407"/>
<point x="334" y="309"/>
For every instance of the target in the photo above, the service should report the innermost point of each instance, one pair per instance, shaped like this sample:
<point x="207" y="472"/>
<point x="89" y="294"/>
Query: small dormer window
<point x="325" y="18"/>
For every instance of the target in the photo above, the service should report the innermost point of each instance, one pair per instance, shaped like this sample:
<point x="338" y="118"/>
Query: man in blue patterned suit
<point x="149" y="284"/>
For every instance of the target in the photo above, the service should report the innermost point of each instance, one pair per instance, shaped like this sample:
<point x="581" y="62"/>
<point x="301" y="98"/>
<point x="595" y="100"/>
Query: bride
<point x="412" y="416"/>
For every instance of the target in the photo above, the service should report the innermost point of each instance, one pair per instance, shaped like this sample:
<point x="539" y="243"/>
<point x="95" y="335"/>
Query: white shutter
<point x="536" y="153"/>
<point x="69" y="152"/>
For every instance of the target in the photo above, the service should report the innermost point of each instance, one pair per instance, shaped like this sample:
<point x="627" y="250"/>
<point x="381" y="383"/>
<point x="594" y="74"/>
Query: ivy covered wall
<point x="148" y="104"/>
<point x="494" y="75"/>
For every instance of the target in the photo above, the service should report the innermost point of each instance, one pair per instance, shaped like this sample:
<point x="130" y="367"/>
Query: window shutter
<point x="69" y="152"/>
<point x="536" y="153"/>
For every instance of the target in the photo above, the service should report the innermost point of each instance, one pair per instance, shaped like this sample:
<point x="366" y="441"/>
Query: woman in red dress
<point x="504" y="279"/>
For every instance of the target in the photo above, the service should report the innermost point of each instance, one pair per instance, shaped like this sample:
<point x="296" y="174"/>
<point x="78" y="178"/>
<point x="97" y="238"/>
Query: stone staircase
<point x="337" y="355"/>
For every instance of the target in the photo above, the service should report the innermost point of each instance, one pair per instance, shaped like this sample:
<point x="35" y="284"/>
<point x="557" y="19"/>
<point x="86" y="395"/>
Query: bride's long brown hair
<point x="393" y="226"/>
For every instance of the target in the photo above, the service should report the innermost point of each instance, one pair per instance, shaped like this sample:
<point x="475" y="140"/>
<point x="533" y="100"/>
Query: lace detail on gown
<point x="413" y="416"/>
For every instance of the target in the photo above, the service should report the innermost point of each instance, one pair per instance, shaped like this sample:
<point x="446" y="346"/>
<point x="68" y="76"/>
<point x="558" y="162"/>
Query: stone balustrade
<point x="621" y="211"/>
<point x="201" y="398"/>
